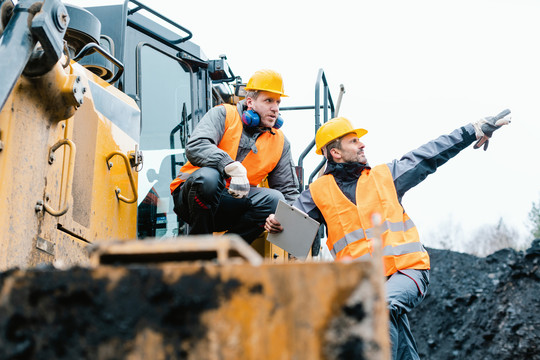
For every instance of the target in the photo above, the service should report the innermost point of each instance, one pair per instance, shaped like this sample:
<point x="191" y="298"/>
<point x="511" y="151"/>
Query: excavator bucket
<point x="162" y="303"/>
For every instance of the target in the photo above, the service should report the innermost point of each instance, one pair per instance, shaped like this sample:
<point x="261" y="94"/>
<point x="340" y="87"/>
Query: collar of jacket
<point x="345" y="171"/>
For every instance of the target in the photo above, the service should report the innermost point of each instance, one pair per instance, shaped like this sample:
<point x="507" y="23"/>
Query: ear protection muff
<point x="279" y="122"/>
<point x="251" y="118"/>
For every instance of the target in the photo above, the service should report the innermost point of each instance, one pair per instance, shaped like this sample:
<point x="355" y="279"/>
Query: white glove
<point x="239" y="186"/>
<point x="485" y="127"/>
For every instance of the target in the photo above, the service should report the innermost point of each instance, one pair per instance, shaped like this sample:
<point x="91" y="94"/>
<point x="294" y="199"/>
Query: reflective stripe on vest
<point x="394" y="250"/>
<point x="350" y="227"/>
<point x="258" y="165"/>
<point x="361" y="235"/>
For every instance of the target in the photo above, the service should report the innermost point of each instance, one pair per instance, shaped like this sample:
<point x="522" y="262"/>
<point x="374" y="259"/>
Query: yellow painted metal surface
<point x="57" y="193"/>
<point x="99" y="215"/>
<point x="205" y="311"/>
<point x="247" y="308"/>
<point x="270" y="252"/>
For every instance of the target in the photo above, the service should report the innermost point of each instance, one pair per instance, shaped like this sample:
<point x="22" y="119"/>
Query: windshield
<point x="165" y="91"/>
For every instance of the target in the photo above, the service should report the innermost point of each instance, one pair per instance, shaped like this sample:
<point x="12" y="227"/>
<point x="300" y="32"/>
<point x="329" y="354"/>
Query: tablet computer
<point x="298" y="233"/>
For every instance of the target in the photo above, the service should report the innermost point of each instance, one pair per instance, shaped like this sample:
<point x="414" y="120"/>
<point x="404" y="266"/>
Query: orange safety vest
<point x="258" y="165"/>
<point x="350" y="227"/>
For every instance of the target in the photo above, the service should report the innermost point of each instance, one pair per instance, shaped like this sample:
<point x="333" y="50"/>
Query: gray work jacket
<point x="202" y="150"/>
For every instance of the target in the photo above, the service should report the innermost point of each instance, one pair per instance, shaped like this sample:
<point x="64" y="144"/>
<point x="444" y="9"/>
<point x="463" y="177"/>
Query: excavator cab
<point x="174" y="84"/>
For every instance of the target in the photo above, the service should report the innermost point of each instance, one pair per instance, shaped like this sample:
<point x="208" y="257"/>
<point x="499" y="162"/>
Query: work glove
<point x="239" y="186"/>
<point x="485" y="127"/>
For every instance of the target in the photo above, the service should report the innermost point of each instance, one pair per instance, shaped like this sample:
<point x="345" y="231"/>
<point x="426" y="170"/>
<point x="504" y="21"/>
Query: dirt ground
<point x="481" y="308"/>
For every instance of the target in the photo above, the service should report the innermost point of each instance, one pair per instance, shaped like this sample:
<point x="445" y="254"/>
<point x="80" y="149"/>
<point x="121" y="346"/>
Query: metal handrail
<point x="323" y="162"/>
<point x="100" y="50"/>
<point x="328" y="104"/>
<point x="152" y="33"/>
<point x="71" y="166"/>
<point x="317" y="169"/>
<point x="130" y="176"/>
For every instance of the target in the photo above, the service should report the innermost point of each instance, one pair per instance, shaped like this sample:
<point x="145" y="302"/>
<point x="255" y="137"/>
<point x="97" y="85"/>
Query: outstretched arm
<point x="416" y="165"/>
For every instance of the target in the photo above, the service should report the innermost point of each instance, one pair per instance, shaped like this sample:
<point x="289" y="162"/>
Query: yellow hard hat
<point x="334" y="129"/>
<point x="266" y="80"/>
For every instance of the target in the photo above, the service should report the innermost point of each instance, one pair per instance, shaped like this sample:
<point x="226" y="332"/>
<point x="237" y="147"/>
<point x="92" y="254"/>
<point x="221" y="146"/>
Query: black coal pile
<point x="481" y="308"/>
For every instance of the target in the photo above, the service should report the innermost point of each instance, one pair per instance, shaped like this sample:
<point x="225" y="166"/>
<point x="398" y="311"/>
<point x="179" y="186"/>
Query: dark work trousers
<point x="204" y="202"/>
<point x="405" y="289"/>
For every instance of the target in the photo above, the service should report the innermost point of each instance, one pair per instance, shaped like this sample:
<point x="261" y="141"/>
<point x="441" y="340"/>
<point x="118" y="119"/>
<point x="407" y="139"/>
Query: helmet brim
<point x="270" y="91"/>
<point x="359" y="132"/>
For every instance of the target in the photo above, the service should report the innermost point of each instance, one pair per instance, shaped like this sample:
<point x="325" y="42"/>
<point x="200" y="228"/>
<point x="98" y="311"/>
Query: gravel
<point x="481" y="308"/>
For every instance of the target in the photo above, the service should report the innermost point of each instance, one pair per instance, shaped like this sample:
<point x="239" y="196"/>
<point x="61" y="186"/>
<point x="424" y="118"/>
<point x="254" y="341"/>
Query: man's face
<point x="352" y="150"/>
<point x="267" y="106"/>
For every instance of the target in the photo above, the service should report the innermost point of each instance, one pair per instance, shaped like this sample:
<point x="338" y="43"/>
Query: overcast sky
<point x="412" y="70"/>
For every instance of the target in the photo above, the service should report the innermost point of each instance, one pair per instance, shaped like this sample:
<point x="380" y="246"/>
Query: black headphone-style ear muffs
<point x="251" y="118"/>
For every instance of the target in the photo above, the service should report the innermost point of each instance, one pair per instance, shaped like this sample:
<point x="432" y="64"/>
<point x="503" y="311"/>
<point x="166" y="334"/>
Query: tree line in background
<point x="534" y="218"/>
<point x="488" y="238"/>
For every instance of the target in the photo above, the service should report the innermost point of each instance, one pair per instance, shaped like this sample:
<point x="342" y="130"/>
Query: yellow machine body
<point x="57" y="192"/>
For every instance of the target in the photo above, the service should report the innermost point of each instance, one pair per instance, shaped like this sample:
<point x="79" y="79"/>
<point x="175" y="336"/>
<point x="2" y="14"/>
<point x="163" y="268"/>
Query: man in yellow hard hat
<point x="351" y="198"/>
<point x="231" y="150"/>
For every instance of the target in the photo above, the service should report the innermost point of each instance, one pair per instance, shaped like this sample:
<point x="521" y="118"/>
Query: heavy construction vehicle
<point x="96" y="106"/>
